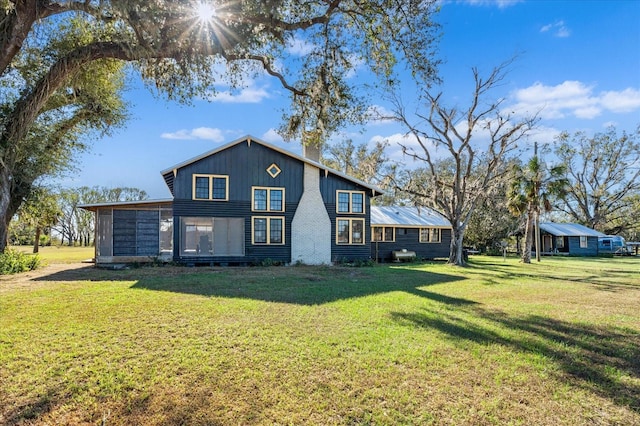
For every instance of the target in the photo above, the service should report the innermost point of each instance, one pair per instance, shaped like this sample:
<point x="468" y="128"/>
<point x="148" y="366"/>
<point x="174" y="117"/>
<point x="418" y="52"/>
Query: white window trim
<point x="211" y="177"/>
<point x="268" y="218"/>
<point x="351" y="220"/>
<point x="586" y="242"/>
<point x="268" y="189"/>
<point x="364" y="202"/>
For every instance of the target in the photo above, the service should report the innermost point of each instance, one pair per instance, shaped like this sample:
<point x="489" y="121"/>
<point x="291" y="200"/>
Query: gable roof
<point x="407" y="216"/>
<point x="169" y="174"/>
<point x="569" y="230"/>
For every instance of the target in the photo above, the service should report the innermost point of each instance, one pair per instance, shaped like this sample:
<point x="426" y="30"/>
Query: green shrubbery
<point x="14" y="261"/>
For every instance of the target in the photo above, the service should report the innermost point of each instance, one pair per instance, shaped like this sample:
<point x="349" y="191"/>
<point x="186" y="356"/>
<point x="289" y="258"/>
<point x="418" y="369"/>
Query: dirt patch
<point x="71" y="271"/>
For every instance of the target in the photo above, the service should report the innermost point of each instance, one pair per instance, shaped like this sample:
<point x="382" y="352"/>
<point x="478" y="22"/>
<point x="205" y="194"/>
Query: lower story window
<point x="267" y="230"/>
<point x="349" y="231"/>
<point x="584" y="243"/>
<point x="430" y="235"/>
<point x="383" y="234"/>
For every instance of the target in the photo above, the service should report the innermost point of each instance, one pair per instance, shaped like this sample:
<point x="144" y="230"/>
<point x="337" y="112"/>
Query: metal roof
<point x="168" y="173"/>
<point x="407" y="216"/>
<point x="569" y="230"/>
<point x="141" y="203"/>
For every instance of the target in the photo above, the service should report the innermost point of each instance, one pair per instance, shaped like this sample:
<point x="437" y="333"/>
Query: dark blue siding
<point x="590" y="250"/>
<point x="246" y="167"/>
<point x="409" y="238"/>
<point x="328" y="187"/>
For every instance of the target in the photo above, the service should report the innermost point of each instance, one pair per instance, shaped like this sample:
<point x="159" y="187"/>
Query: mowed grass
<point x="555" y="343"/>
<point x="60" y="254"/>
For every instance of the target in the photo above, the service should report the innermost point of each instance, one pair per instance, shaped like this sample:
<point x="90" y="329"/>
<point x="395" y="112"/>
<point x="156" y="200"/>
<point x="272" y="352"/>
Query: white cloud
<point x="247" y="95"/>
<point x="501" y="4"/>
<point x="395" y="152"/>
<point x="299" y="47"/>
<point x="573" y="98"/>
<point x="558" y="29"/>
<point x="379" y="115"/>
<point x="272" y="136"/>
<point x="199" y="133"/>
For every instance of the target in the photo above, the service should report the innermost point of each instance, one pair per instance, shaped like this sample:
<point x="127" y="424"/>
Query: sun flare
<point x="205" y="11"/>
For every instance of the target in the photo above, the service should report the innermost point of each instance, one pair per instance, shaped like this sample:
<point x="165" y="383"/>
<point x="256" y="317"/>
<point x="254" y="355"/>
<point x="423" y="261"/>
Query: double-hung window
<point x="267" y="230"/>
<point x="267" y="199"/>
<point x="584" y="243"/>
<point x="349" y="231"/>
<point x="430" y="235"/>
<point x="350" y="202"/>
<point x="210" y="187"/>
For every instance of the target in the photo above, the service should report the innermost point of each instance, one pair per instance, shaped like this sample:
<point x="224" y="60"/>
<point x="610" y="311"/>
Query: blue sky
<point x="578" y="63"/>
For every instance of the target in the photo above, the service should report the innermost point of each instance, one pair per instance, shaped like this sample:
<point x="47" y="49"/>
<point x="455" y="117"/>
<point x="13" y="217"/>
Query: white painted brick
<point x="311" y="226"/>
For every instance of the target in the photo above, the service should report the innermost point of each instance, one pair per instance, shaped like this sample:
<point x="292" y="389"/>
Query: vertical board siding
<point x="329" y="185"/>
<point x="590" y="250"/>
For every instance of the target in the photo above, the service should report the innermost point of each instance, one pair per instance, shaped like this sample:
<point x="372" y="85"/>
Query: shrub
<point x="14" y="261"/>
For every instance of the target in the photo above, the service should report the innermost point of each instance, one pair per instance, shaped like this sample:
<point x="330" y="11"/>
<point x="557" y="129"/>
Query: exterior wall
<point x="311" y="226"/>
<point x="133" y="235"/>
<point x="572" y="246"/>
<point x="328" y="187"/>
<point x="409" y="238"/>
<point x="246" y="166"/>
<point x="576" y="250"/>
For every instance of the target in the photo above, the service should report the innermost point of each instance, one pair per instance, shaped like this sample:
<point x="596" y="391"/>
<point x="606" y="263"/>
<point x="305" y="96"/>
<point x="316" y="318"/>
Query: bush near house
<point x="15" y="261"/>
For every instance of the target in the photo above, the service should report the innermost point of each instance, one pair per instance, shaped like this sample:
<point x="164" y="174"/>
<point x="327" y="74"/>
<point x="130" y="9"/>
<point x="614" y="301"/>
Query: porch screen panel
<point x="166" y="232"/>
<point x="147" y="233"/>
<point x="228" y="236"/>
<point x="105" y="232"/>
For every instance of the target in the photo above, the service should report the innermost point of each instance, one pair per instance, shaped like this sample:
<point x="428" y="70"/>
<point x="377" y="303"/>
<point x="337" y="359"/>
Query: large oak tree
<point x="184" y="48"/>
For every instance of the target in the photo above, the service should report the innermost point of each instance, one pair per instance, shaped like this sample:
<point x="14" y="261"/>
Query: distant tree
<point x="187" y="48"/>
<point x="604" y="176"/>
<point x="77" y="225"/>
<point x="39" y="212"/>
<point x="368" y="165"/>
<point x="533" y="189"/>
<point x="474" y="143"/>
<point x="491" y="222"/>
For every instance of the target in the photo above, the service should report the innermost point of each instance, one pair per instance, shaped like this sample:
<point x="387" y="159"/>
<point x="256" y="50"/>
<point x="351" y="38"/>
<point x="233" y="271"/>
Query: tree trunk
<point x="528" y="238"/>
<point x="5" y="206"/>
<point x="456" y="249"/>
<point x="36" y="242"/>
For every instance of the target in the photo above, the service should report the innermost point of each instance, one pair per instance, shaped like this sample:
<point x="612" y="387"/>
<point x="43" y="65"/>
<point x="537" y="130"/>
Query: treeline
<point x="54" y="215"/>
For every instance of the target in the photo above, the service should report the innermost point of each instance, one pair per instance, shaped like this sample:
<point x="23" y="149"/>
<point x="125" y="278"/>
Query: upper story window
<point x="350" y="202"/>
<point x="267" y="199"/>
<point x="383" y="234"/>
<point x="211" y="187"/>
<point x="430" y="235"/>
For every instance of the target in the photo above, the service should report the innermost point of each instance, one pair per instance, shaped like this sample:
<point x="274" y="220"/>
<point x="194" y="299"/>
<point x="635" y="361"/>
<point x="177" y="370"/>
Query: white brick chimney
<point x="311" y="226"/>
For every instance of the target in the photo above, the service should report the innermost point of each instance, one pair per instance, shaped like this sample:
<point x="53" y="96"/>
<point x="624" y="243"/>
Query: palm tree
<point x="532" y="190"/>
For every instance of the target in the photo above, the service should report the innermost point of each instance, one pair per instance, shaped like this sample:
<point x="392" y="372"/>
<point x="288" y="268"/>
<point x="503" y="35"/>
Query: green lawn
<point x="494" y="343"/>
<point x="60" y="254"/>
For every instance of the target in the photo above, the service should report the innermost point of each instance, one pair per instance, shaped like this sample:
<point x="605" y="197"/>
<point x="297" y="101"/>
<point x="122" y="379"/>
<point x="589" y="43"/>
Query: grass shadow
<point x="305" y="285"/>
<point x="594" y="358"/>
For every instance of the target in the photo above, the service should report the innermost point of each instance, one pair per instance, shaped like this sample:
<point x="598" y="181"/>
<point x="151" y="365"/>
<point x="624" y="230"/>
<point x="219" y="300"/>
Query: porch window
<point x="560" y="242"/>
<point x="208" y="236"/>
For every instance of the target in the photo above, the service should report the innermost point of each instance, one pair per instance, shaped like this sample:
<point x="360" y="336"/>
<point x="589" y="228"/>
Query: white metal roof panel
<point x="407" y="216"/>
<point x="569" y="230"/>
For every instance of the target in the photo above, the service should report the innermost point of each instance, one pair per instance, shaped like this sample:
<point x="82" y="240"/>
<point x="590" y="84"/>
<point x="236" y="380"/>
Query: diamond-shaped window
<point x="273" y="170"/>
